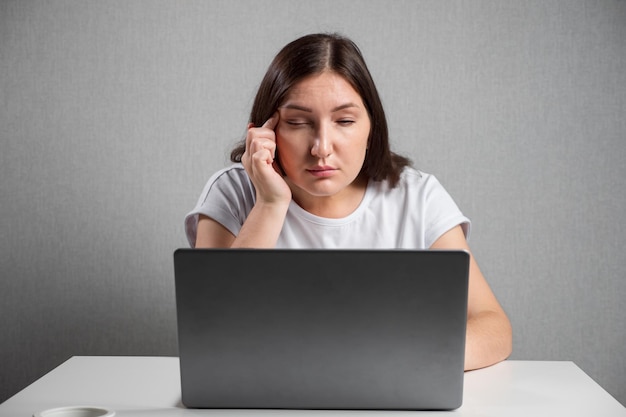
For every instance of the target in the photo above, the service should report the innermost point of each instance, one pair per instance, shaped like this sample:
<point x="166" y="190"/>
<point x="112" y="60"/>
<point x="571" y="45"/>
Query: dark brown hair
<point x="314" y="54"/>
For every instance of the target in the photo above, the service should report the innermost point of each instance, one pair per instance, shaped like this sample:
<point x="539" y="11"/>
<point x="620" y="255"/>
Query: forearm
<point x="262" y="226"/>
<point x="488" y="339"/>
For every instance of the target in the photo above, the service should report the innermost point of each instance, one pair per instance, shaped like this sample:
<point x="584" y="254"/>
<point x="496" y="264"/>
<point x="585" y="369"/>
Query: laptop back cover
<point x="320" y="329"/>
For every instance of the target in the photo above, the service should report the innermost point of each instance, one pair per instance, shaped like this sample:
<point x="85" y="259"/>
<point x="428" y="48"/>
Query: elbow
<point x="489" y="340"/>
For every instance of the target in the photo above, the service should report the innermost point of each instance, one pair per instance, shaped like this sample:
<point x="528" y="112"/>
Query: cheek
<point x="363" y="143"/>
<point x="290" y="150"/>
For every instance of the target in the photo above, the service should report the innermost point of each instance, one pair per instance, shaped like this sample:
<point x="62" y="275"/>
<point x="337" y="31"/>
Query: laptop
<point x="321" y="329"/>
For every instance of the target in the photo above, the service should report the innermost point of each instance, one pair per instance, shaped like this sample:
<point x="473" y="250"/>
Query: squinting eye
<point x="345" y="122"/>
<point x="296" y="122"/>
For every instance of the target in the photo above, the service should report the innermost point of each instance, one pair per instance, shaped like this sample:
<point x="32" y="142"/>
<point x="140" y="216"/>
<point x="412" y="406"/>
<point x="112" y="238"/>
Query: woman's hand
<point x="260" y="163"/>
<point x="265" y="221"/>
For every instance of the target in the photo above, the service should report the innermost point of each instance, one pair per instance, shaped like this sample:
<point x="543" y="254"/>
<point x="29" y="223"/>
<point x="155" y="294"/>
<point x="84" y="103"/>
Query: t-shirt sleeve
<point x="227" y="198"/>
<point x="442" y="213"/>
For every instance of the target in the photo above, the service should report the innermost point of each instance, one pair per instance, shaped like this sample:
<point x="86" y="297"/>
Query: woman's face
<point x="321" y="141"/>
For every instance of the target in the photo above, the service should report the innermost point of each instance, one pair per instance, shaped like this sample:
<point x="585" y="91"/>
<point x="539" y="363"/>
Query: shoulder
<point x="412" y="182"/>
<point x="414" y="176"/>
<point x="230" y="180"/>
<point x="233" y="174"/>
<point x="418" y="193"/>
<point x="229" y="189"/>
<point x="430" y="198"/>
<point x="227" y="198"/>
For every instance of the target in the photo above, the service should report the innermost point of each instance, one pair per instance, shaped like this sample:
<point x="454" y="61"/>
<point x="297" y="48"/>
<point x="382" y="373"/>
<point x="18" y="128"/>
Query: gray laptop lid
<point x="321" y="329"/>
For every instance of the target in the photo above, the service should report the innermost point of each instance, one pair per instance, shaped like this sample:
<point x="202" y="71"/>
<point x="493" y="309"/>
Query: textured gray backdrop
<point x="114" y="113"/>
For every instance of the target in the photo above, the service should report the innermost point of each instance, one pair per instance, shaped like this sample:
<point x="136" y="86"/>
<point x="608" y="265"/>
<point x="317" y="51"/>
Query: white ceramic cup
<point x="76" y="412"/>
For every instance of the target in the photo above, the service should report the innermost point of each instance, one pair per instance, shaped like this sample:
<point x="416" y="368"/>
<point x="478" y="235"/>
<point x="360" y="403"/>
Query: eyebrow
<point x="309" y="110"/>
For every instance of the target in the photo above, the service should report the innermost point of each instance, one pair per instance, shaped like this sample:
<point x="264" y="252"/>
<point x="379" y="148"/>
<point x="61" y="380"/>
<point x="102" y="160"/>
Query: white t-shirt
<point x="412" y="215"/>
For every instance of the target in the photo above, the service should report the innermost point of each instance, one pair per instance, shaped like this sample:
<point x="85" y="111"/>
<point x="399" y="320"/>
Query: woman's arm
<point x="489" y="336"/>
<point x="265" y="221"/>
<point x="260" y="230"/>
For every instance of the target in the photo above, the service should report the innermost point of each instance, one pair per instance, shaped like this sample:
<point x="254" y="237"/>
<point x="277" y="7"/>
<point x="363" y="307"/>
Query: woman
<point x="315" y="171"/>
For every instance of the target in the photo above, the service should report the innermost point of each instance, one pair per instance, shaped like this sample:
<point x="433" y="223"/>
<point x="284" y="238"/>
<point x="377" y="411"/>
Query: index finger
<point x="272" y="122"/>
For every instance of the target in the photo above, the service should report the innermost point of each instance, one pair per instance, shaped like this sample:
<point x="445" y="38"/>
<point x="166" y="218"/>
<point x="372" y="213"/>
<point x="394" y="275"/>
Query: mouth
<point x="322" y="171"/>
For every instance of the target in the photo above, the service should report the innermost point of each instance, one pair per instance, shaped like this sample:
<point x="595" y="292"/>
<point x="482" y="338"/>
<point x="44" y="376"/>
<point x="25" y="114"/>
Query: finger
<point x="272" y="122"/>
<point x="262" y="137"/>
<point x="262" y="158"/>
<point x="261" y="144"/>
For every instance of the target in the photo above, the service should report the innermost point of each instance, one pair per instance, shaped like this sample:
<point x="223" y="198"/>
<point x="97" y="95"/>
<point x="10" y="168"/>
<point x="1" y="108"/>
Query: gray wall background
<point x="114" y="113"/>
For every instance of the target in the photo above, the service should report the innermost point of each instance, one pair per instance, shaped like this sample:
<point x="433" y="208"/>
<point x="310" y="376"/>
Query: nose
<point x="322" y="146"/>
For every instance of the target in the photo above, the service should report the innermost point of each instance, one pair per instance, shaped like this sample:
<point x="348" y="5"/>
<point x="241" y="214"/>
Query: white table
<point x="150" y="386"/>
